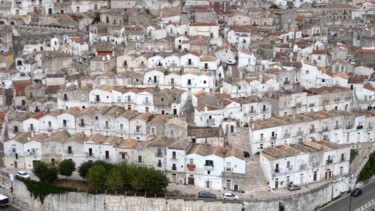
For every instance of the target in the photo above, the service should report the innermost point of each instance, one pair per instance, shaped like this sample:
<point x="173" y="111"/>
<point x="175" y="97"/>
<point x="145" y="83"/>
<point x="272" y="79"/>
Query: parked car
<point x="4" y="201"/>
<point x="246" y="154"/>
<point x="206" y="195"/>
<point x="292" y="187"/>
<point x="230" y="196"/>
<point x="23" y="174"/>
<point x="356" y="192"/>
<point x="231" y="61"/>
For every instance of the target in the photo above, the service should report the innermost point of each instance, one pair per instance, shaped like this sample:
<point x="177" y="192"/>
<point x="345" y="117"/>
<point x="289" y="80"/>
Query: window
<point x="64" y="122"/>
<point x="90" y="151"/>
<point x="189" y="81"/>
<point x="69" y="149"/>
<point x="139" y="159"/>
<point x="121" y="127"/>
<point x="174" y="155"/>
<point x="137" y="129"/>
<point x="98" y="66"/>
<point x="209" y="163"/>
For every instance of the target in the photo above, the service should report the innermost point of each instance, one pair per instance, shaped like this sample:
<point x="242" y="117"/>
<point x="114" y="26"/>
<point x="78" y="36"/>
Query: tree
<point x="107" y="166"/>
<point x="274" y="6"/>
<point x="45" y="172"/>
<point x="150" y="180"/>
<point x="66" y="168"/>
<point x="114" y="179"/>
<point x="96" y="177"/>
<point x="84" y="168"/>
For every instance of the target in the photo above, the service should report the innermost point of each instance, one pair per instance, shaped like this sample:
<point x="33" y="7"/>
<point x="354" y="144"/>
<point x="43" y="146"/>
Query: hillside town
<point x="206" y="91"/>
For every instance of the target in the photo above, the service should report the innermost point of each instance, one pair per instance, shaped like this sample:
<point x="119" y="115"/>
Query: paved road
<point x="368" y="193"/>
<point x="11" y="208"/>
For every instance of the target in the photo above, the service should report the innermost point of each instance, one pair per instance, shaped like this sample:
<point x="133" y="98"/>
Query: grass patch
<point x="41" y="190"/>
<point x="369" y="169"/>
<point x="353" y="154"/>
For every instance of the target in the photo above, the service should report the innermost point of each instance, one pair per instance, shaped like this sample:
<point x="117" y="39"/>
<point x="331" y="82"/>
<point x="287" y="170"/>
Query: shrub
<point x="96" y="177"/>
<point x="368" y="169"/>
<point x="41" y="190"/>
<point x="45" y="172"/>
<point x="66" y="168"/>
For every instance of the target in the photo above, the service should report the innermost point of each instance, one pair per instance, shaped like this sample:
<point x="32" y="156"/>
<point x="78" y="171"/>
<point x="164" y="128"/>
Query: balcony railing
<point x="337" y="99"/>
<point x="324" y="129"/>
<point x="298" y="103"/>
<point x="359" y="127"/>
<point x="329" y="161"/>
<point x="174" y="168"/>
<point x="312" y="130"/>
<point x="159" y="155"/>
<point x="286" y="135"/>
<point x="81" y="124"/>
<point x="325" y="101"/>
<point x="312" y="104"/>
<point x="69" y="151"/>
<point x="299" y="133"/>
<point x="208" y="167"/>
<point x="349" y="126"/>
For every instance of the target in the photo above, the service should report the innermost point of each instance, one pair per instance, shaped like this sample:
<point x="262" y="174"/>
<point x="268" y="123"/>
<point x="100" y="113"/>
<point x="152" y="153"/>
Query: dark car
<point x="246" y="154"/>
<point x="356" y="192"/>
<point x="206" y="195"/>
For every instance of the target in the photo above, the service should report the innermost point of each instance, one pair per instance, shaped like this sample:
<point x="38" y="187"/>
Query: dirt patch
<point x="79" y="184"/>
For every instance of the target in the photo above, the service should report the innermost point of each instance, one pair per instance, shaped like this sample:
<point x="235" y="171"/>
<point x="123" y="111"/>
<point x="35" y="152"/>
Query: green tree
<point x="114" y="179"/>
<point x="45" y="172"/>
<point x="107" y="166"/>
<point x="150" y="180"/>
<point x="84" y="168"/>
<point x="129" y="174"/>
<point x="66" y="168"/>
<point x="274" y="6"/>
<point x="96" y="177"/>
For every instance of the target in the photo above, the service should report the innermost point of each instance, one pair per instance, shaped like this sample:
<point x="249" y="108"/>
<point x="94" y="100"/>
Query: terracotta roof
<point x="19" y="87"/>
<point x="128" y="144"/>
<point x="209" y="58"/>
<point x="246" y="52"/>
<point x="38" y="115"/>
<point x="203" y="24"/>
<point x="366" y="50"/>
<point x="356" y="79"/>
<point x="340" y="74"/>
<point x="205" y="132"/>
<point x="323" y="51"/>
<point x="209" y="107"/>
<point x="179" y="144"/>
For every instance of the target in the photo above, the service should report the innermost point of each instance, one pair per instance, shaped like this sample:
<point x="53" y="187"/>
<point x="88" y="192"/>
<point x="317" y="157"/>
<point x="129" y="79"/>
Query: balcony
<point x="208" y="167"/>
<point x="69" y="152"/>
<point x="359" y="127"/>
<point x="350" y="126"/>
<point x="81" y="124"/>
<point x="337" y="99"/>
<point x="312" y="104"/>
<point x="325" y="129"/>
<point x="286" y="135"/>
<point x="337" y="127"/>
<point x="146" y="102"/>
<point x="265" y="110"/>
<point x="210" y="122"/>
<point x="312" y="130"/>
<point x="174" y="158"/>
<point x="329" y="161"/>
<point x="273" y="137"/>
<point x="159" y="155"/>
<point x="348" y="98"/>
<point x="299" y="133"/>
<point x="191" y="167"/>
<point x="298" y="103"/>
<point x="89" y="154"/>
<point x="174" y="168"/>
<point x="325" y="102"/>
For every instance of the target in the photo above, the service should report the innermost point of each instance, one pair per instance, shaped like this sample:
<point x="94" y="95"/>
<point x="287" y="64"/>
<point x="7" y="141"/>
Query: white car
<point x="230" y="196"/>
<point x="231" y="61"/>
<point x="23" y="174"/>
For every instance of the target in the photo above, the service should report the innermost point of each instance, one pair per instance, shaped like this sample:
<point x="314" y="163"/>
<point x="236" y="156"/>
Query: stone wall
<point x="21" y="197"/>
